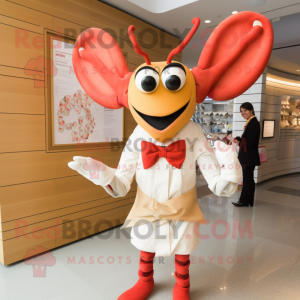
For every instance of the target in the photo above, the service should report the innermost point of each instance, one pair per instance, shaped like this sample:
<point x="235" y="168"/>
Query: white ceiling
<point x="287" y="30"/>
<point x="286" y="50"/>
<point x="177" y="21"/>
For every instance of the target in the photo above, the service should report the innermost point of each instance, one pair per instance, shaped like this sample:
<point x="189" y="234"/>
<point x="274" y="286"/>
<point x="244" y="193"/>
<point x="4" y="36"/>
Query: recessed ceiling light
<point x="207" y="21"/>
<point x="284" y="82"/>
<point x="298" y="70"/>
<point x="158" y="6"/>
<point x="234" y="12"/>
<point x="257" y="2"/>
<point x="275" y="20"/>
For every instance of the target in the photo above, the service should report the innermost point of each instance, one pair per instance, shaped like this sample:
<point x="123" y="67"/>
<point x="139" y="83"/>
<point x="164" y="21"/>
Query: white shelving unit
<point x="290" y="112"/>
<point x="214" y="116"/>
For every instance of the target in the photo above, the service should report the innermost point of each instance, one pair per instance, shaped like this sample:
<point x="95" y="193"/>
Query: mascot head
<point x="162" y="95"/>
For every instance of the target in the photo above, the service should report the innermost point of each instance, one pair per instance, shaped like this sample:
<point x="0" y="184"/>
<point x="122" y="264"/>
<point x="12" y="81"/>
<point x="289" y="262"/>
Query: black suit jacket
<point x="248" y="142"/>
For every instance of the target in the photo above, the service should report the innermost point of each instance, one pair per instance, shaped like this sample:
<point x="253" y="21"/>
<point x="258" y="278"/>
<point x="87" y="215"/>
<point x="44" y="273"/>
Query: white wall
<point x="286" y="142"/>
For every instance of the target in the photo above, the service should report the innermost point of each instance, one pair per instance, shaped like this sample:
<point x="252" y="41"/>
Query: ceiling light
<point x="257" y="2"/>
<point x="283" y="82"/>
<point x="234" y="12"/>
<point x="298" y="70"/>
<point x="158" y="6"/>
<point x="207" y="21"/>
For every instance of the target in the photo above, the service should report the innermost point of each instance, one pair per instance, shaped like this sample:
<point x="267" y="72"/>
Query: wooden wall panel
<point x="76" y="184"/>
<point x="130" y="123"/>
<point x="132" y="67"/>
<point x="79" y="183"/>
<point x="22" y="132"/>
<point x="35" y="166"/>
<point x="67" y="27"/>
<point x="111" y="215"/>
<point x="25" y="227"/>
<point x="15" y="53"/>
<point x="42" y="199"/>
<point x="43" y="203"/>
<point x="28" y="230"/>
<point x="123" y="212"/>
<point x="16" y="249"/>
<point x="12" y="197"/>
<point x="1" y="252"/>
<point x="20" y="24"/>
<point x="19" y="96"/>
<point x="30" y="16"/>
<point x="19" y="72"/>
<point x="65" y="237"/>
<point x="77" y="11"/>
<point x="58" y="214"/>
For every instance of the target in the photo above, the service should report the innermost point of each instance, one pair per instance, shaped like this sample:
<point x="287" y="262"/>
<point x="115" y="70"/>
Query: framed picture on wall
<point x="268" y="129"/>
<point x="74" y="118"/>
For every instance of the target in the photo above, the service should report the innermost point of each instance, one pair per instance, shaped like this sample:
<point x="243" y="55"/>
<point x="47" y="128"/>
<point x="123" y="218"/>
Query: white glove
<point x="93" y="170"/>
<point x="231" y="167"/>
<point x="220" y="186"/>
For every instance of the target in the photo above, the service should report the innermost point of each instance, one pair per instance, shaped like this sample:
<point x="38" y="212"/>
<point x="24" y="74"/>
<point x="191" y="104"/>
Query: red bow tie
<point x="174" y="154"/>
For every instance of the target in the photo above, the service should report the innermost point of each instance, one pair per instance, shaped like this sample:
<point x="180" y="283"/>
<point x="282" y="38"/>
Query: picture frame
<point x="268" y="129"/>
<point x="51" y="146"/>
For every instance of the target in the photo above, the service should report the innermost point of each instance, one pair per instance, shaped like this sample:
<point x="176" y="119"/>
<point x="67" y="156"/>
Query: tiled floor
<point x="264" y="264"/>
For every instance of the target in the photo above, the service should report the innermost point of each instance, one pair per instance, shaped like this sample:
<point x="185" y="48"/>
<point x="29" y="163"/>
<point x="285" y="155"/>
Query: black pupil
<point x="173" y="83"/>
<point x="148" y="83"/>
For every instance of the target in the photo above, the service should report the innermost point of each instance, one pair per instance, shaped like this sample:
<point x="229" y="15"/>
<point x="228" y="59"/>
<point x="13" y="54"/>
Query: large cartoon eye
<point x="173" y="77"/>
<point x="147" y="80"/>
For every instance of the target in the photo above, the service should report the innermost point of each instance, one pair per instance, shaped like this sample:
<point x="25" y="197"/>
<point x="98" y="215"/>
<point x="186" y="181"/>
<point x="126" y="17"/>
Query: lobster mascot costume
<point x="164" y="147"/>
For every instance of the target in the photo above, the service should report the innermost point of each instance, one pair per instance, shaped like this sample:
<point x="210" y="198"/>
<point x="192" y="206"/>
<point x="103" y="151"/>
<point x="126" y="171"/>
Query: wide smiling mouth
<point x="161" y="123"/>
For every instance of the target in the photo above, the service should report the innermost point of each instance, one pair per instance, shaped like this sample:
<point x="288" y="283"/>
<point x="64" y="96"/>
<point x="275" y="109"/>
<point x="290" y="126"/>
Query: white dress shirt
<point x="162" y="182"/>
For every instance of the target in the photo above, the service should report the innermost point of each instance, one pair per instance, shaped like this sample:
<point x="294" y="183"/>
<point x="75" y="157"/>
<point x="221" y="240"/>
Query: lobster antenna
<point x="136" y="46"/>
<point x="196" y="22"/>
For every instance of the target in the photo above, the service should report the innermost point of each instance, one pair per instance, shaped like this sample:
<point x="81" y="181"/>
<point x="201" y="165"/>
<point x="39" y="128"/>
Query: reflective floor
<point x="245" y="253"/>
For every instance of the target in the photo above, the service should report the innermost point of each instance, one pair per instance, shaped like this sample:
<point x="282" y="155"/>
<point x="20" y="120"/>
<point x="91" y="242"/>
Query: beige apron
<point x="182" y="208"/>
